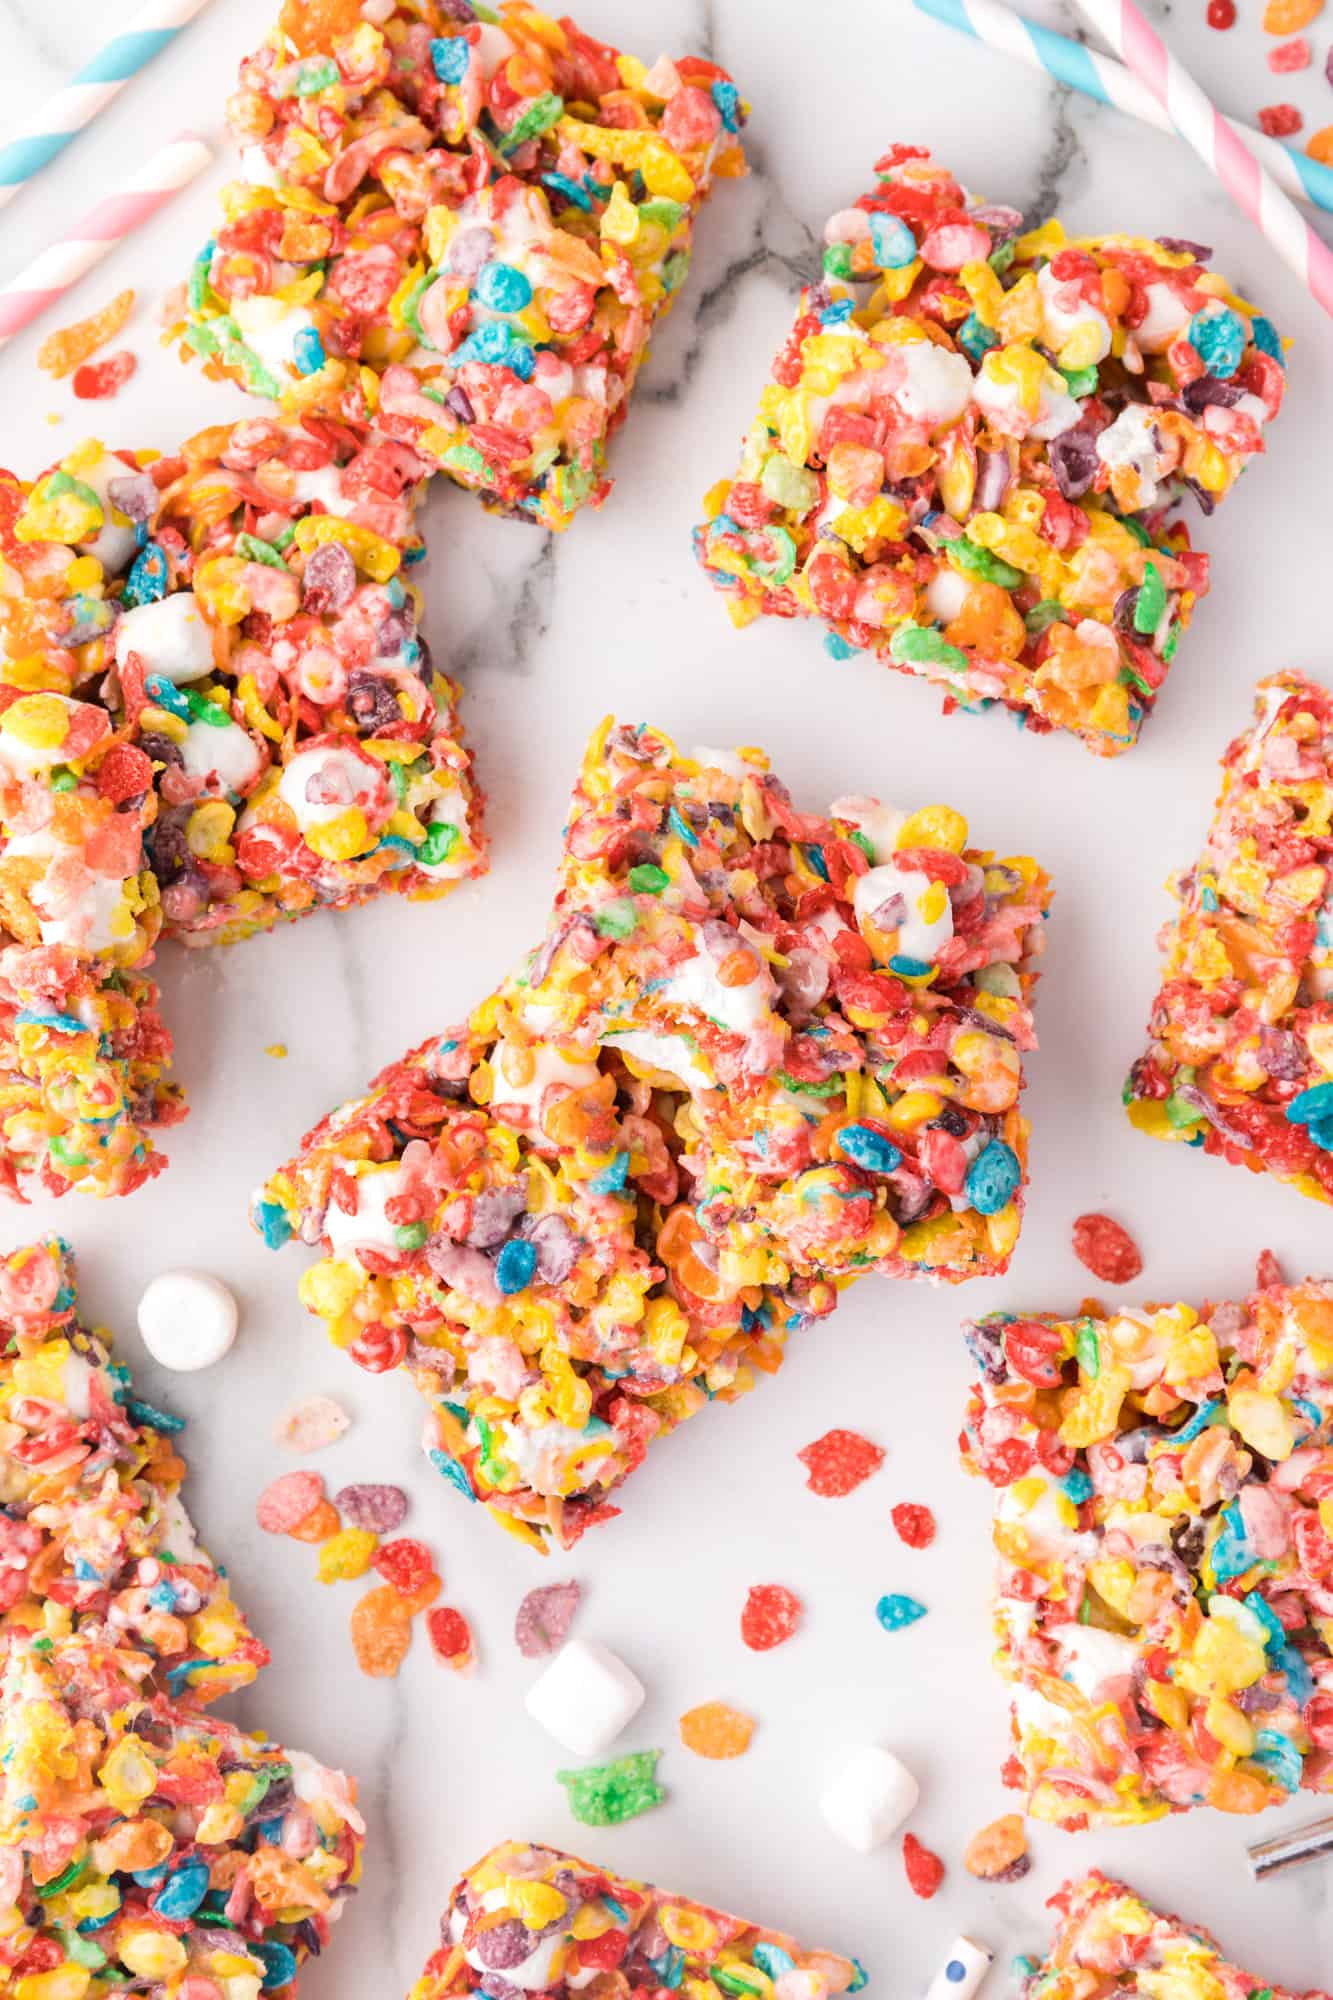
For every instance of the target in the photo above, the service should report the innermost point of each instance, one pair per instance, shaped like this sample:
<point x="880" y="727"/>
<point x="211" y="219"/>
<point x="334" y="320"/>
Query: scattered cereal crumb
<point x="450" y="1637"/>
<point x="276" y="1049"/>
<point x="1221" y="13"/>
<point x="715" y="1729"/>
<point x="65" y="349"/>
<point x="999" y="1853"/>
<point x="1319" y="146"/>
<point x="381" y="1632"/>
<point x="1280" y="121"/>
<point x="406" y="1564"/>
<point x="608" y="1794"/>
<point x="287" y="1501"/>
<point x="1267" y="1271"/>
<point x="838" y="1462"/>
<point x="346" y="1555"/>
<point x="381" y="1508"/>
<point x="96" y="381"/>
<point x="770" y="1615"/>
<point x="1286" y="17"/>
<point x="55" y="417"/>
<point x="915" y="1524"/>
<point x="1289" y="56"/>
<point x="925" y="1870"/>
<point x="312" y="1424"/>
<point x="543" y="1619"/>
<point x="1104" y="1247"/>
<point x="897" y="1611"/>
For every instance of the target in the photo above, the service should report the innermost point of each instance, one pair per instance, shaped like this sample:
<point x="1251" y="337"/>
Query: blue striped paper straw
<point x="1107" y="81"/>
<point x="101" y="78"/>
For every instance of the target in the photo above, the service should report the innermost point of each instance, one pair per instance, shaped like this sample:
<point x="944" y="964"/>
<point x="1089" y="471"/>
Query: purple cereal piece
<point x="379" y="1508"/>
<point x="329" y="580"/>
<point x="543" y="1619"/>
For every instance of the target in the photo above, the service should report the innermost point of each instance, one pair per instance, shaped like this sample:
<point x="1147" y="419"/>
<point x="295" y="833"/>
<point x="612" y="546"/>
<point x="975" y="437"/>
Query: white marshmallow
<point x="169" y="636"/>
<point x="868" y="1799"/>
<point x="369" y="1227"/>
<point x="962" y="1972"/>
<point x="269" y="328"/>
<point x="738" y="1008"/>
<point x="115" y="541"/>
<point x="321" y="784"/>
<point x="880" y="824"/>
<point x="223" y="755"/>
<point x="188" y="1320"/>
<point x="670" y="1053"/>
<point x="585" y="1697"/>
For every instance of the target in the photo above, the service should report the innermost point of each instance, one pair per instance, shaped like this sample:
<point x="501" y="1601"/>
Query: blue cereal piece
<point x="869" y="1149"/>
<point x="515" y="1265"/>
<point x="893" y="242"/>
<point x="993" y="1178"/>
<point x="1218" y="338"/>
<point x="896" y="1612"/>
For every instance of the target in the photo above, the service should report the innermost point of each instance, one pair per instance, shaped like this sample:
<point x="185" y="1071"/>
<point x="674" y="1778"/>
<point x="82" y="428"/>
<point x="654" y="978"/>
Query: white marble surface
<point x="548" y="637"/>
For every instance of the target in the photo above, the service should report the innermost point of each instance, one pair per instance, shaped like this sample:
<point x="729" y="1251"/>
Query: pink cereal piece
<point x="379" y="1508"/>
<point x="286" y="1501"/>
<point x="1289" y="56"/>
<point x="311" y="1425"/>
<point x="952" y="244"/>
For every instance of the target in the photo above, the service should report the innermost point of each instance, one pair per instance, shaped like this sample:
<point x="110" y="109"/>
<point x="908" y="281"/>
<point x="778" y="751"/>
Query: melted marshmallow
<point x="369" y="1227"/>
<point x="170" y="637"/>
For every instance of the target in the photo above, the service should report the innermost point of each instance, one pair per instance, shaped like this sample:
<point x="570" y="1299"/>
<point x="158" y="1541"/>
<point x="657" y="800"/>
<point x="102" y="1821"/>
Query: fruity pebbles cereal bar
<point x="146" y="1850"/>
<point x="1110" y="1942"/>
<point x="514" y="1224"/>
<point x="845" y="999"/>
<point x="1164" y="1561"/>
<point x="82" y="1047"/>
<point x="540" y="1920"/>
<point x="463" y="224"/>
<point x="94" y="1538"/>
<point x="1240" y="1056"/>
<point x="970" y="454"/>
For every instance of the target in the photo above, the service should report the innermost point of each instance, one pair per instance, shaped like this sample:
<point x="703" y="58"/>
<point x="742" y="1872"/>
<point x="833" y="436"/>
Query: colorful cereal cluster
<point x="544" y="1920"/>
<point x="758" y="1053"/>
<point x="146" y="1849"/>
<point x="215" y="710"/>
<point x="462" y="225"/>
<point x="1240" y="1057"/>
<point x="970" y="454"/>
<point x="1164" y="1562"/>
<point x="143" y="1845"/>
<point x="1109" y="1942"/>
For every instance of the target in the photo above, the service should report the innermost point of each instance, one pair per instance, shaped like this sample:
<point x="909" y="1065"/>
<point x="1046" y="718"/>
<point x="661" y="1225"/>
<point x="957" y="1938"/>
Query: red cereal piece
<point x="379" y="1349"/>
<point x="287" y="1500"/>
<point x="1267" y="1271"/>
<point x="1279" y="121"/>
<point x="1221" y="13"/>
<point x="915" y="1525"/>
<point x="771" y="1615"/>
<point x="406" y="1564"/>
<point x="450" y="1636"/>
<point x="543" y="1619"/>
<point x="379" y="1508"/>
<point x="1106" y="1249"/>
<point x="96" y="380"/>
<point x="1289" y="56"/>
<point x="838" y="1462"/>
<point x="925" y="1871"/>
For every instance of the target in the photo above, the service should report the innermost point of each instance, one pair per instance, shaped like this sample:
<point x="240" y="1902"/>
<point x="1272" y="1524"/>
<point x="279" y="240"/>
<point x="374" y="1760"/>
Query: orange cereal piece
<point x="1320" y="145"/>
<point x="62" y="352"/>
<point x="318" y="1525"/>
<point x="999" y="1853"/>
<point x="313" y="24"/>
<point x="381" y="1632"/>
<point x="716" y="1729"/>
<point x="422" y="1597"/>
<point x="1288" y="17"/>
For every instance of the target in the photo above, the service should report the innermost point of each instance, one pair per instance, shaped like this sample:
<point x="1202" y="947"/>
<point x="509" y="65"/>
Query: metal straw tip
<point x="1290" y="1849"/>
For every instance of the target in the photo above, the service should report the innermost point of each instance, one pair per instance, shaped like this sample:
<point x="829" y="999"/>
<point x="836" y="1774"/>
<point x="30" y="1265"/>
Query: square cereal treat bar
<point x="1110" y="1943"/>
<point x="464" y="225"/>
<point x="1240" y="1057"/>
<point x="846" y="999"/>
<point x="514" y="1224"/>
<point x="970" y="454"/>
<point x="144" y="1849"/>
<point x="536" y="1919"/>
<point x="82" y="1047"/>
<point x="94" y="1537"/>
<point x="1164" y="1561"/>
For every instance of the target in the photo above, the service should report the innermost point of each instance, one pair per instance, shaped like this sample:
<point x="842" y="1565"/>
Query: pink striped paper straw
<point x="1216" y="142"/>
<point x="115" y="217"/>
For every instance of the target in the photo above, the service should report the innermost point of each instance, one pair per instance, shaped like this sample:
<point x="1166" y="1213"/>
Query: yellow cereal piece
<point x="346" y="1555"/>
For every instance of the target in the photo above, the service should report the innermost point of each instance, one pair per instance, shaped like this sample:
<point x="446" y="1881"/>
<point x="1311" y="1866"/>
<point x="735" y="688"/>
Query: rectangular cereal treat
<point x="145" y="1849"/>
<point x="303" y="748"/>
<point x="529" y="1919"/>
<point x="94" y="1537"/>
<point x="1240" y="1057"/>
<point x="969" y="458"/>
<point x="1110" y="1943"/>
<point x="461" y="224"/>
<point x="846" y="999"/>
<point x="1163" y="1558"/>
<point x="83" y="1052"/>
<point x="514" y="1224"/>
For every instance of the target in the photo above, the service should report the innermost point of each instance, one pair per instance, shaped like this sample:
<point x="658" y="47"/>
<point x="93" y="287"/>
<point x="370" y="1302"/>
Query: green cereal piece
<point x="442" y="836"/>
<point x="254" y="550"/>
<point x="919" y="646"/>
<point x="648" y="879"/>
<point x="539" y="117"/>
<point x="838" y="260"/>
<point x="1151" y="600"/>
<point x="1049" y="612"/>
<point x="1088" y="1349"/>
<point x="666" y="214"/>
<point x="609" y="1794"/>
<point x="616" y="919"/>
<point x="1080" y="381"/>
<point x="970" y="556"/>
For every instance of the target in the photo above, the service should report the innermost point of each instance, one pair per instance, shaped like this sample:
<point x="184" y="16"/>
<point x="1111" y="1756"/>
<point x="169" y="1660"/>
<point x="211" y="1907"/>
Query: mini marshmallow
<point x="962" y="1972"/>
<point x="869" y="1797"/>
<point x="169" y="636"/>
<point x="585" y="1698"/>
<point x="188" y="1320"/>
